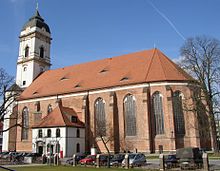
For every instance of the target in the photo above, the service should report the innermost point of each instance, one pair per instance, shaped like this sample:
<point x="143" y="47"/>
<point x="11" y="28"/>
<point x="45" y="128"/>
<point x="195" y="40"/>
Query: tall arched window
<point x="26" y="54"/>
<point x="158" y="113"/>
<point x="178" y="113"/>
<point x="25" y="124"/>
<point x="49" y="133"/>
<point x="41" y="52"/>
<point x="57" y="132"/>
<point x="130" y="115"/>
<point x="49" y="108"/>
<point x="100" y="117"/>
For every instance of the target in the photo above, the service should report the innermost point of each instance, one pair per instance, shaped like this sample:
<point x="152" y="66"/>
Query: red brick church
<point x="142" y="98"/>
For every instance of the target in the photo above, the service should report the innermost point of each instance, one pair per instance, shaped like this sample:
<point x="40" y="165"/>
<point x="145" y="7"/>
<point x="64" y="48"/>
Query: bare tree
<point x="201" y="59"/>
<point x="8" y="93"/>
<point x="104" y="132"/>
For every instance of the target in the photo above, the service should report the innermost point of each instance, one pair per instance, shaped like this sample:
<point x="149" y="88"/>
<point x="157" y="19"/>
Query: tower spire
<point x="37" y="6"/>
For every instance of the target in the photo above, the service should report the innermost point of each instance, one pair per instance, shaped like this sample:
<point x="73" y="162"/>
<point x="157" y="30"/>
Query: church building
<point x="140" y="101"/>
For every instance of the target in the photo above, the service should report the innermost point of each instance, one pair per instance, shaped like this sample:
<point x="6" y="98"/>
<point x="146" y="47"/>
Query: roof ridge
<point x="61" y="111"/>
<point x="179" y="69"/>
<point x="161" y="65"/>
<point x="150" y="64"/>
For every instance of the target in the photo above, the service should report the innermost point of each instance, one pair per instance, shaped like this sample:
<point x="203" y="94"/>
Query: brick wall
<point x="144" y="141"/>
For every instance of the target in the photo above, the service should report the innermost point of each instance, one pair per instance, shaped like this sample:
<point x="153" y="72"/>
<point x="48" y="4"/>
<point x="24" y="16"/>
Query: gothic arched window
<point x="130" y="115"/>
<point x="41" y="52"/>
<point x="178" y="113"/>
<point x="57" y="132"/>
<point x="158" y="113"/>
<point x="49" y="108"/>
<point x="100" y="117"/>
<point x="26" y="54"/>
<point x="25" y="124"/>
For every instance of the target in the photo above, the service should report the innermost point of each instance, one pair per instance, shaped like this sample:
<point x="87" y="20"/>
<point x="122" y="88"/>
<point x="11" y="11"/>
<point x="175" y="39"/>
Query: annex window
<point x="25" y="124"/>
<point x="57" y="132"/>
<point x="41" y="52"/>
<point x="100" y="117"/>
<point x="77" y="133"/>
<point x="77" y="147"/>
<point x="49" y="133"/>
<point x="40" y="133"/>
<point x="178" y="113"/>
<point x="49" y="108"/>
<point x="26" y="54"/>
<point x="158" y="113"/>
<point x="130" y="115"/>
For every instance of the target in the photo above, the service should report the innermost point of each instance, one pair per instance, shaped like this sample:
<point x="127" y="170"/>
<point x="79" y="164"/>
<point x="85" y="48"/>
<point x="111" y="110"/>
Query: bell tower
<point x="34" y="50"/>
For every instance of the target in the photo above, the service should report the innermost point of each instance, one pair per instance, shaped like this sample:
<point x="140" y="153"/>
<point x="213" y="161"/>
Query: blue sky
<point x="87" y="30"/>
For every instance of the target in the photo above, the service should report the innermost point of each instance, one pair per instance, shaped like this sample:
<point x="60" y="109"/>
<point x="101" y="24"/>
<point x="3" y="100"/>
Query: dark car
<point x="171" y="161"/>
<point x="78" y="157"/>
<point x="103" y="159"/>
<point x="117" y="159"/>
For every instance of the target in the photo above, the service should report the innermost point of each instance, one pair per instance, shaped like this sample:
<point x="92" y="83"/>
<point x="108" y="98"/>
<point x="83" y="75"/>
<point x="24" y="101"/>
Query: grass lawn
<point x="65" y="168"/>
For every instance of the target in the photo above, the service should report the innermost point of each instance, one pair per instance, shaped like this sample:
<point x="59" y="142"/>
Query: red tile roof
<point x="140" y="67"/>
<point x="59" y="117"/>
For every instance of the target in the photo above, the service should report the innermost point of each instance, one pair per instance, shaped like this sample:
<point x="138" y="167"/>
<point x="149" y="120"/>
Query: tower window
<point x="24" y="82"/>
<point x="25" y="69"/>
<point x="41" y="52"/>
<point x="26" y="51"/>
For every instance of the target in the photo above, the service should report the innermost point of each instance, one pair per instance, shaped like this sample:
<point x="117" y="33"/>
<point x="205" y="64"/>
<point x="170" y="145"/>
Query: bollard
<point x="98" y="160"/>
<point x="126" y="161"/>
<point x="74" y="160"/>
<point x="162" y="163"/>
<point x="205" y="161"/>
<point x="55" y="159"/>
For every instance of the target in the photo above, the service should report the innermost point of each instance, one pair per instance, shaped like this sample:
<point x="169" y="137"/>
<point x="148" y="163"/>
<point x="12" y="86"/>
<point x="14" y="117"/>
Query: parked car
<point x="103" y="159"/>
<point x="90" y="159"/>
<point x="190" y="158"/>
<point x="2" y="154"/>
<point x="136" y="159"/>
<point x="171" y="161"/>
<point x="117" y="159"/>
<point x="78" y="157"/>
